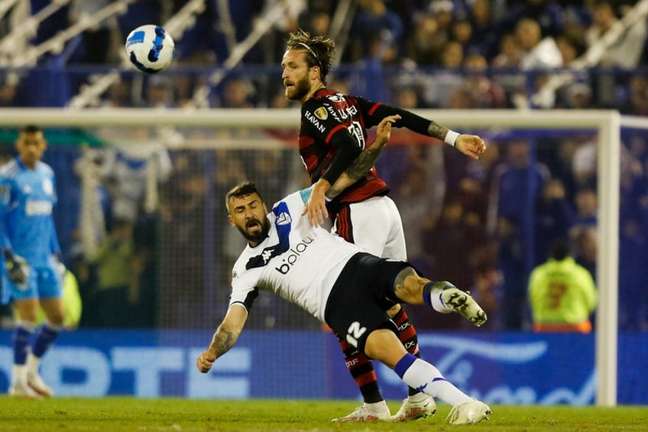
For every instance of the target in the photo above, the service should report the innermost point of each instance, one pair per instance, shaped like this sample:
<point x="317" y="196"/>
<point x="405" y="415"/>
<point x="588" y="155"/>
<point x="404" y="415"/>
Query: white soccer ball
<point x="150" y="48"/>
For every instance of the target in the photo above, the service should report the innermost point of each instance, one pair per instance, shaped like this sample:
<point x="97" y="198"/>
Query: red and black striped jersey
<point x="323" y="116"/>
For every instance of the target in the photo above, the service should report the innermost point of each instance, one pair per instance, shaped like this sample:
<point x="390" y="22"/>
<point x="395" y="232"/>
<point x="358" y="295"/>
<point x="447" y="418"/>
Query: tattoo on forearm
<point x="358" y="169"/>
<point x="436" y="130"/>
<point x="223" y="340"/>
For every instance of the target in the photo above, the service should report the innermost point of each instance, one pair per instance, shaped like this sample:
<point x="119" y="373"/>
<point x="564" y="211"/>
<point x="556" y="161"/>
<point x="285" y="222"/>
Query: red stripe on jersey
<point x="345" y="227"/>
<point x="333" y="132"/>
<point x="368" y="187"/>
<point x="366" y="378"/>
<point x="407" y="334"/>
<point x="373" y="109"/>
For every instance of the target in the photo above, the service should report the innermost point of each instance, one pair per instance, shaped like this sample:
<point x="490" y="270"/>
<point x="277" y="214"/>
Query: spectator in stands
<point x="586" y="207"/>
<point x="562" y="294"/>
<point x="627" y="51"/>
<point x="374" y="21"/>
<point x="510" y="53"/>
<point x="426" y="41"/>
<point x="554" y="217"/>
<point x="538" y="52"/>
<point x="109" y="304"/>
<point x="486" y="93"/>
<point x="518" y="183"/>
<point x="585" y="247"/>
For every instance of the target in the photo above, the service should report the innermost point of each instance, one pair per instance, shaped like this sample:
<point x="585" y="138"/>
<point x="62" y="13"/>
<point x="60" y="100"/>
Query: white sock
<point x="32" y="363"/>
<point x="432" y="297"/>
<point x="421" y="375"/>
<point x="19" y="374"/>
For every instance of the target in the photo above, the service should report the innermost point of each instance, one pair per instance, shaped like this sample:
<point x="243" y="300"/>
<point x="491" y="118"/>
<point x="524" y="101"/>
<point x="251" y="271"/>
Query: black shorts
<point x="359" y="300"/>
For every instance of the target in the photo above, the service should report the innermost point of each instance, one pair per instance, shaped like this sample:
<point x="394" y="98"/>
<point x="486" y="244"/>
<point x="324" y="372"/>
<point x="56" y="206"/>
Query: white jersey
<point x="297" y="261"/>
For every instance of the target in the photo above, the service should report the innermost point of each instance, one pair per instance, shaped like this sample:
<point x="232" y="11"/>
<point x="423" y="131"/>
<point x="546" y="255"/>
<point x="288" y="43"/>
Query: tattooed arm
<point x="224" y="337"/>
<point x="363" y="163"/>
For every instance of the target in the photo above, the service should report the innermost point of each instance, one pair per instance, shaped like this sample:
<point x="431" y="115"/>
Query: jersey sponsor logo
<point x="336" y="98"/>
<point x="333" y="113"/>
<point x="311" y="118"/>
<point x="294" y="254"/>
<point x="38" y="207"/>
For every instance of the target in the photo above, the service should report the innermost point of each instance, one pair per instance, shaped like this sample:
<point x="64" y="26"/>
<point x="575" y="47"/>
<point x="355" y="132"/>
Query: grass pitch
<point x="127" y="414"/>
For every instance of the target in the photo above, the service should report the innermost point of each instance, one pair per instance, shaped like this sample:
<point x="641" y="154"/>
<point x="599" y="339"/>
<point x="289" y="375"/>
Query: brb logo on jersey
<point x="293" y="254"/>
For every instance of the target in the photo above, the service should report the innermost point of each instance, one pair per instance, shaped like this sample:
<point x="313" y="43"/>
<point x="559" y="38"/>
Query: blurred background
<point x="141" y="217"/>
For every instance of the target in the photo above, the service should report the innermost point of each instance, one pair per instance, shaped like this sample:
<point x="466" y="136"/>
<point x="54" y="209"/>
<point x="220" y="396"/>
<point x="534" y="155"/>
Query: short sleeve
<point x="244" y="290"/>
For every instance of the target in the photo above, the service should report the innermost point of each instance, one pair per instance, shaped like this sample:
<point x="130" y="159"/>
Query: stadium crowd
<point x="470" y="227"/>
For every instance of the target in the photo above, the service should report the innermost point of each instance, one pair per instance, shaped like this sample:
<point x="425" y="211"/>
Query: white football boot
<point x="470" y="412"/>
<point x="367" y="412"/>
<point x="462" y="303"/>
<point x="34" y="379"/>
<point x="415" y="407"/>
<point x="36" y="383"/>
<point x="19" y="386"/>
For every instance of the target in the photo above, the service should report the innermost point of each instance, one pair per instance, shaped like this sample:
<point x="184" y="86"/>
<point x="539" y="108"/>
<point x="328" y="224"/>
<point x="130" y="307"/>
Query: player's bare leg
<point x="443" y="296"/>
<point x="26" y="312"/>
<point x="417" y="404"/>
<point x="53" y="308"/>
<point x="383" y="345"/>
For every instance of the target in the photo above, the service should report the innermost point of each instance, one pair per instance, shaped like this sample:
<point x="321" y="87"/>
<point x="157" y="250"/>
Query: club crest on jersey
<point x="283" y="219"/>
<point x="321" y="113"/>
<point x="293" y="254"/>
<point x="311" y="118"/>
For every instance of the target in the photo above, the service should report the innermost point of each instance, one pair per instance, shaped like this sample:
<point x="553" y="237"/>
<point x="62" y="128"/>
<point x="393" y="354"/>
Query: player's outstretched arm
<point x="470" y="145"/>
<point x="224" y="338"/>
<point x="363" y="163"/>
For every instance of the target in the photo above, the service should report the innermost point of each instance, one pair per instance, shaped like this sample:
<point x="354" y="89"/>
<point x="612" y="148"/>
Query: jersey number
<point x="354" y="333"/>
<point x="555" y="295"/>
<point x="356" y="131"/>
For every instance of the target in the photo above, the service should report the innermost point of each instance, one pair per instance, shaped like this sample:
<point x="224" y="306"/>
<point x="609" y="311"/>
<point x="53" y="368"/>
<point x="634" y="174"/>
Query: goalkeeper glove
<point x="17" y="268"/>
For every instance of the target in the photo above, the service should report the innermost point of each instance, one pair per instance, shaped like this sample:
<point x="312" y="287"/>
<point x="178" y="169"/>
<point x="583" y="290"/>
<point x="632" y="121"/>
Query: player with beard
<point x="338" y="284"/>
<point x="333" y="133"/>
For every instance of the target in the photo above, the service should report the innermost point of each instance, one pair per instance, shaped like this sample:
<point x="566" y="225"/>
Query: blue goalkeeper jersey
<point x="27" y="198"/>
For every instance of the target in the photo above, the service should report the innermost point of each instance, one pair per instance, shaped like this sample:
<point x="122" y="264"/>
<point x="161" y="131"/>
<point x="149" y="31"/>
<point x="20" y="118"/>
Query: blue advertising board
<point x="508" y="368"/>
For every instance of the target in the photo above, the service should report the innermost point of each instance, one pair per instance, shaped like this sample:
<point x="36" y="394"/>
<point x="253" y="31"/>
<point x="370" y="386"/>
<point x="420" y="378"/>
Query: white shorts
<point x="374" y="225"/>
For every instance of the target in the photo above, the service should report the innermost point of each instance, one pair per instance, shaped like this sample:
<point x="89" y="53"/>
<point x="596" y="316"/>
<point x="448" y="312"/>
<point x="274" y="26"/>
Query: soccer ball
<point x="150" y="48"/>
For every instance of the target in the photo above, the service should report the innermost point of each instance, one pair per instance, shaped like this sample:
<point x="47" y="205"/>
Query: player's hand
<point x="17" y="268"/>
<point x="316" y="205"/>
<point x="205" y="361"/>
<point x="383" y="131"/>
<point x="470" y="145"/>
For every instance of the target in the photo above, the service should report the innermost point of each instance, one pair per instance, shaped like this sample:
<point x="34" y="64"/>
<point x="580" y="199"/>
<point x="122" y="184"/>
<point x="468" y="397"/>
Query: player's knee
<point x="27" y="314"/>
<point x="56" y="318"/>
<point x="409" y="286"/>
<point x="384" y="345"/>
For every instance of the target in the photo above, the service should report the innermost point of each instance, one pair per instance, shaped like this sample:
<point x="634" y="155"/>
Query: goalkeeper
<point x="30" y="246"/>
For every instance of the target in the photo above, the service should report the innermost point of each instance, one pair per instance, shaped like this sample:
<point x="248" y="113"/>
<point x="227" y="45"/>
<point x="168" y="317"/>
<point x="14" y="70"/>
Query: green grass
<point x="127" y="414"/>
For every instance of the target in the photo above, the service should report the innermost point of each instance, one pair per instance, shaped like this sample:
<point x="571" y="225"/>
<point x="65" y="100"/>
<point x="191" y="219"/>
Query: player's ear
<point x="315" y="73"/>
<point x="229" y="219"/>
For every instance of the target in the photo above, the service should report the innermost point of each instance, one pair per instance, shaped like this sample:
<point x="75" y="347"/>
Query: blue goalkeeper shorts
<point x="42" y="283"/>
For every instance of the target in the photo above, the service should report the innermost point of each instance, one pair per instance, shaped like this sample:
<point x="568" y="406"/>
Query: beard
<point x="300" y="89"/>
<point x="259" y="236"/>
